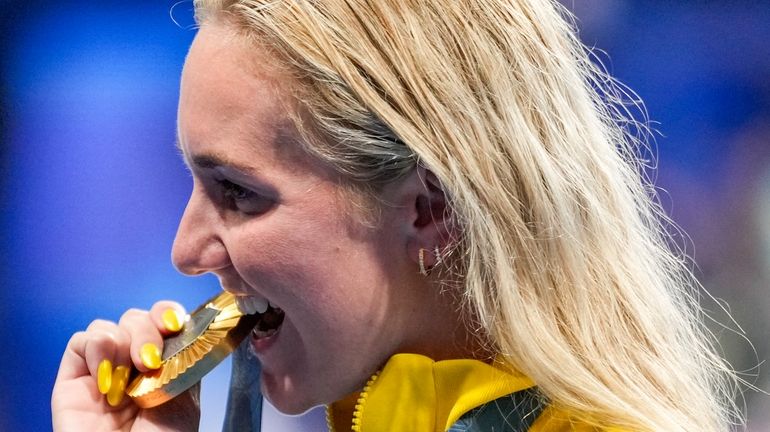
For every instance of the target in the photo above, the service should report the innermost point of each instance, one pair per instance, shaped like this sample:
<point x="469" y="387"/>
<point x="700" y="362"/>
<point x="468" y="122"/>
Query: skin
<point x="270" y="221"/>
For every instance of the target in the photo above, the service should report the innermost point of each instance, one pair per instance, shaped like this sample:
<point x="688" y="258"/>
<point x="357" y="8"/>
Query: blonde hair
<point x="564" y="256"/>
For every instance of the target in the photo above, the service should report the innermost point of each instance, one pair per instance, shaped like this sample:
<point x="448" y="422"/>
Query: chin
<point x="289" y="401"/>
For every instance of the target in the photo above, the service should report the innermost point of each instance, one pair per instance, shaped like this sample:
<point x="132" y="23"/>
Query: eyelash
<point x="242" y="199"/>
<point x="233" y="192"/>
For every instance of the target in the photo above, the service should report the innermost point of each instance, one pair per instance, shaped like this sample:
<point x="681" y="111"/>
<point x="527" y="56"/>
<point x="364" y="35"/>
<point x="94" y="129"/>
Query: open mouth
<point x="269" y="323"/>
<point x="270" y="317"/>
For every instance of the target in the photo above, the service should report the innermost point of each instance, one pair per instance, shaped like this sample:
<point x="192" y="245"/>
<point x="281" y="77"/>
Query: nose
<point x="198" y="248"/>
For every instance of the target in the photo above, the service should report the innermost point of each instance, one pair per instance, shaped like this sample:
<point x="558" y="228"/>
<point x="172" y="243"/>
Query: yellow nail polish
<point x="171" y="320"/>
<point x="118" y="387"/>
<point x="150" y="355"/>
<point x="104" y="376"/>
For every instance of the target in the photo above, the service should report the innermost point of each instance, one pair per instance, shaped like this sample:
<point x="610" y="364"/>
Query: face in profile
<point x="273" y="224"/>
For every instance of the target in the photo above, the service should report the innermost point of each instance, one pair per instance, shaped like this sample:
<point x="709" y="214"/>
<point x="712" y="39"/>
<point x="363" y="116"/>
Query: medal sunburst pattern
<point x="216" y="339"/>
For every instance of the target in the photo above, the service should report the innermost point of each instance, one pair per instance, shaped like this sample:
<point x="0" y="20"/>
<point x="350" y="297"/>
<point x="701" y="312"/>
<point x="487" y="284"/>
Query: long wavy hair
<point x="564" y="257"/>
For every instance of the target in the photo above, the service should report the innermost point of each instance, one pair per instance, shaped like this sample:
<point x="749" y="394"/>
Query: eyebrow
<point x="213" y="161"/>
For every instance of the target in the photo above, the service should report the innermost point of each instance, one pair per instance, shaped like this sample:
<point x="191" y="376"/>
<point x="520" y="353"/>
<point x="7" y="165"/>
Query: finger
<point x="117" y="389"/>
<point x="146" y="341"/>
<point x="112" y="372"/>
<point x="93" y="352"/>
<point x="73" y="363"/>
<point x="106" y="341"/>
<point x="107" y="354"/>
<point x="168" y="316"/>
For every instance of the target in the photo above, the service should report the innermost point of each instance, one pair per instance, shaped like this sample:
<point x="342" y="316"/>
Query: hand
<point x="89" y="393"/>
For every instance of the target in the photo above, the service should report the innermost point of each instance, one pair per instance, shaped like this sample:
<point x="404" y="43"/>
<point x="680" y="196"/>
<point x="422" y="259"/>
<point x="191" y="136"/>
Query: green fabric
<point x="513" y="413"/>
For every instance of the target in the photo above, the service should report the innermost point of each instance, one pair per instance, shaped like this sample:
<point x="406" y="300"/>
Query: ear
<point x="430" y="218"/>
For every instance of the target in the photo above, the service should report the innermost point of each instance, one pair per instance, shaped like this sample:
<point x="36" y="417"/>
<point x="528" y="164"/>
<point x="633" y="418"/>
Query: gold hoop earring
<point x="421" y="259"/>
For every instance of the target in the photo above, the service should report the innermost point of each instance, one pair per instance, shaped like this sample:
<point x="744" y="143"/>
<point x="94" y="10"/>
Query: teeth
<point x="259" y="334"/>
<point x="243" y="306"/>
<point x="250" y="305"/>
<point x="260" y="305"/>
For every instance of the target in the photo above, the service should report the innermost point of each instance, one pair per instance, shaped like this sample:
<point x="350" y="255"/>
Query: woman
<point x="443" y="199"/>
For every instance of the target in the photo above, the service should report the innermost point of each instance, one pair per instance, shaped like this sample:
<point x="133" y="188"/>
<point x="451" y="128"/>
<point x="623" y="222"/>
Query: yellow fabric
<point x="463" y="385"/>
<point x="416" y="394"/>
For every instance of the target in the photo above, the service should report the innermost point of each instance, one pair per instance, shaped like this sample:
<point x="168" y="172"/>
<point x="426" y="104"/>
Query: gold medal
<point x="212" y="332"/>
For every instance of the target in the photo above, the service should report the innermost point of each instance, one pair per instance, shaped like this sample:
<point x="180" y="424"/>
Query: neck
<point x="342" y="412"/>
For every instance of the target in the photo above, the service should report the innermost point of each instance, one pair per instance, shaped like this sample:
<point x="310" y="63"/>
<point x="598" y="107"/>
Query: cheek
<point x="335" y="289"/>
<point x="333" y="280"/>
<point x="314" y="262"/>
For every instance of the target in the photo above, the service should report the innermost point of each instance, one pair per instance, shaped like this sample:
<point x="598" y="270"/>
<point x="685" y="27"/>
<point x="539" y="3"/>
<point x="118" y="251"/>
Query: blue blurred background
<point x="91" y="187"/>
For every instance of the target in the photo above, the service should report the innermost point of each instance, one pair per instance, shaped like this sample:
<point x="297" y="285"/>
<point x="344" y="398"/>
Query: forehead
<point x="233" y="95"/>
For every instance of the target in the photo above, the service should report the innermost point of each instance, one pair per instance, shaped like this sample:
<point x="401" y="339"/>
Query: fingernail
<point x="104" y="376"/>
<point x="118" y="387"/>
<point x="171" y="320"/>
<point x="150" y="355"/>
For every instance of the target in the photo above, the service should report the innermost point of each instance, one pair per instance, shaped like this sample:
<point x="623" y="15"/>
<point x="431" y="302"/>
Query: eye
<point x="242" y="199"/>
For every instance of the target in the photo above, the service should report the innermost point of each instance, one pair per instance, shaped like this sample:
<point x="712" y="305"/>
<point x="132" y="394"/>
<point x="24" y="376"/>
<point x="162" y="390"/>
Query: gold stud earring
<point x="421" y="259"/>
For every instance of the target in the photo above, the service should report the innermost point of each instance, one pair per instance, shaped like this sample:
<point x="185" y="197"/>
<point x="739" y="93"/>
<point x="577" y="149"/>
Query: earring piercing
<point x="421" y="259"/>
